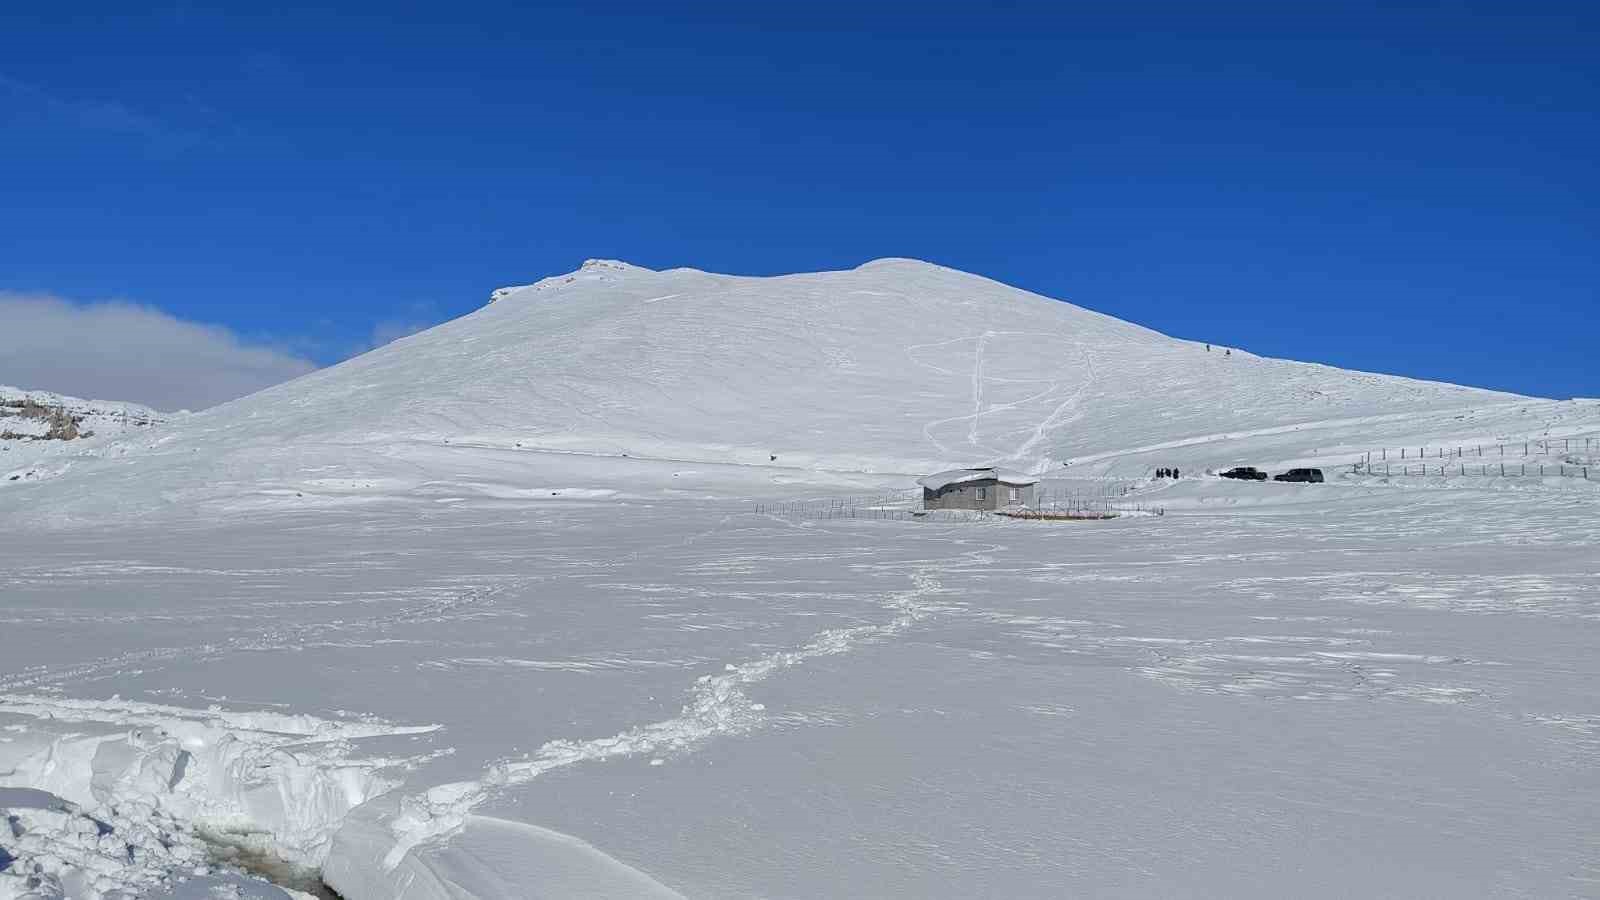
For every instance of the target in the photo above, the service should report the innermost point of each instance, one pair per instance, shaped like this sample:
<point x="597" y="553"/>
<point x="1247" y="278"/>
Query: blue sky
<point x="1402" y="189"/>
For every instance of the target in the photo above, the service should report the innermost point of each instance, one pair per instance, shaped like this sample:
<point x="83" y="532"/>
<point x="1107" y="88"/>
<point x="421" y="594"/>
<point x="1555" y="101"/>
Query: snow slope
<point x="832" y="379"/>
<point x="488" y="612"/>
<point x="41" y="432"/>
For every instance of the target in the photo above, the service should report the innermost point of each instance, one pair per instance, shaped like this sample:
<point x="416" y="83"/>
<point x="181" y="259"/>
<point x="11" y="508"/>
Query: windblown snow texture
<point x="491" y="612"/>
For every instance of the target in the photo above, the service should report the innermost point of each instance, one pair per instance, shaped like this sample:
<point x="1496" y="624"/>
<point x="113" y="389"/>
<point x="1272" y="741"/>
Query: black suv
<point x="1246" y="473"/>
<point x="1313" y="476"/>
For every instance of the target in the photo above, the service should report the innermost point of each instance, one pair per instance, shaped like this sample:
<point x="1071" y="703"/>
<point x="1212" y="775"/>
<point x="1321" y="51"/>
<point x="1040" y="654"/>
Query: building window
<point x="1015" y="495"/>
<point x="983" y="493"/>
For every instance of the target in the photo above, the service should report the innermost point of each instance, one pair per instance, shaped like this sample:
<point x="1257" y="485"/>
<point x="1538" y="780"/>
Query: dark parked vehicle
<point x="1246" y="473"/>
<point x="1313" y="476"/>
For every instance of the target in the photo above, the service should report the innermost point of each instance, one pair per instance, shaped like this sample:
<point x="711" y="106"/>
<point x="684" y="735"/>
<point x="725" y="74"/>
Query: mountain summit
<point x="896" y="366"/>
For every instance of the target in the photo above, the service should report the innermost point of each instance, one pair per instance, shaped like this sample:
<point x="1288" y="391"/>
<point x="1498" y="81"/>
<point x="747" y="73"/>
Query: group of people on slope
<point x="1166" y="473"/>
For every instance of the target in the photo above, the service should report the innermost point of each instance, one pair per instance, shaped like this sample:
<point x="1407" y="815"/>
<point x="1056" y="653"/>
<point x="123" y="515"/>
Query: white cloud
<point x="391" y="330"/>
<point x="123" y="351"/>
<point x="29" y="106"/>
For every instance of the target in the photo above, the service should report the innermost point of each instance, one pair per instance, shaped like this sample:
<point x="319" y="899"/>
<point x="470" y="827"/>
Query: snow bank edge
<point x="486" y="859"/>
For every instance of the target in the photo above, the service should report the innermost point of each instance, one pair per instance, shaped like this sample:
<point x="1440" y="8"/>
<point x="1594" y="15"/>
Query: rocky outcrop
<point x="51" y="423"/>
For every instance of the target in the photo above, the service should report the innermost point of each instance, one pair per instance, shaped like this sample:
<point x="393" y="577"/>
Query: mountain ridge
<point x="895" y="366"/>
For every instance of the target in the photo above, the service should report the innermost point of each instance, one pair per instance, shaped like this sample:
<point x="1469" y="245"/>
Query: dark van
<point x="1313" y="476"/>
<point x="1246" y="473"/>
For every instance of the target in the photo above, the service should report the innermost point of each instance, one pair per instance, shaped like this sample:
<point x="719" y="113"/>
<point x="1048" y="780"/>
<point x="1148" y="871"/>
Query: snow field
<point x="531" y="529"/>
<point x="899" y="642"/>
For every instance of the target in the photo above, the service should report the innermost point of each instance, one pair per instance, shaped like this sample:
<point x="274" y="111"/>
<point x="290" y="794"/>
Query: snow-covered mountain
<point x="354" y="630"/>
<point x="616" y="377"/>
<point x="894" y="366"/>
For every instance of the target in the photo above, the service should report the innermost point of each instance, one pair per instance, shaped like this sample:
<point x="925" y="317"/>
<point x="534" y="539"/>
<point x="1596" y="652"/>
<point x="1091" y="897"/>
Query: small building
<point x="989" y="487"/>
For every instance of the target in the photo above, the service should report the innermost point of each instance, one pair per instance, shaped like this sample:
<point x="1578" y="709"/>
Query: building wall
<point x="965" y="496"/>
<point x="1030" y="495"/>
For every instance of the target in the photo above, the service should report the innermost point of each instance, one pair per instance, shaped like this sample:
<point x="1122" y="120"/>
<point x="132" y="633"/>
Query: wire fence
<point x="822" y="510"/>
<point x="1050" y="501"/>
<point x="1476" y="470"/>
<point x="1462" y="452"/>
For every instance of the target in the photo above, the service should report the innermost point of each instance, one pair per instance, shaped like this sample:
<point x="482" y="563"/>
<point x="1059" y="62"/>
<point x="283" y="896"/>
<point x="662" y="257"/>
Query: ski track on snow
<point x="1042" y="430"/>
<point x="977" y="387"/>
<point x="978" y="380"/>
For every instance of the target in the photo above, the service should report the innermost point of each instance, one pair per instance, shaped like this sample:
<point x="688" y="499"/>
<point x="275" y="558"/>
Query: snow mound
<point x="489" y="858"/>
<point x="123" y="796"/>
